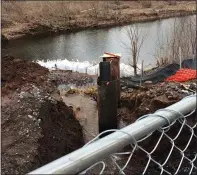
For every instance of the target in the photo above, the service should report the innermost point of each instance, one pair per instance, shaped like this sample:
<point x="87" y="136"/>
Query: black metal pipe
<point x="107" y="106"/>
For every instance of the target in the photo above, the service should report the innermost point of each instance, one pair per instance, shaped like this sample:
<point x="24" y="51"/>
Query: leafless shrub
<point x="181" y="38"/>
<point x="136" y="40"/>
<point x="162" y="61"/>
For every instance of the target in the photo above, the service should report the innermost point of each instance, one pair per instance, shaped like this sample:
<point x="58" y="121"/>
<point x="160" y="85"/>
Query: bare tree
<point x="136" y="40"/>
<point x="182" y="36"/>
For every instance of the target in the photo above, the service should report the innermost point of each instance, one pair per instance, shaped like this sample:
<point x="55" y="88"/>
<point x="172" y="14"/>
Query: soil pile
<point x="138" y="102"/>
<point x="37" y="128"/>
<point x="18" y="72"/>
<point x="60" y="77"/>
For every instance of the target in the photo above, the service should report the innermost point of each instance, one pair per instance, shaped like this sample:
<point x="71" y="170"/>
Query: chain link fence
<point x="168" y="150"/>
<point x="160" y="143"/>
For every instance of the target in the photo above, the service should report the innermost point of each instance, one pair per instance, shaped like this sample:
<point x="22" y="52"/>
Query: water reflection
<point x="90" y="44"/>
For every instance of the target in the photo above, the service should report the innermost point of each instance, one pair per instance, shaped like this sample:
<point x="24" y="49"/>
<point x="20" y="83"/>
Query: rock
<point x="186" y="92"/>
<point x="173" y="86"/>
<point x="170" y="97"/>
<point x="39" y="120"/>
<point x="20" y="96"/>
<point x="30" y="116"/>
<point x="192" y="86"/>
<point x="55" y="102"/>
<point x="124" y="87"/>
<point x="56" y="95"/>
<point x="148" y="82"/>
<point x="161" y="99"/>
<point x="78" y="108"/>
<point x="35" y="113"/>
<point x="175" y="95"/>
<point x="18" y="90"/>
<point x="27" y="95"/>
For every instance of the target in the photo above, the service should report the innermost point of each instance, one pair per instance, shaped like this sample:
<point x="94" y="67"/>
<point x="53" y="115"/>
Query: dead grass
<point x="146" y="4"/>
<point x="91" y="91"/>
<point x="66" y="15"/>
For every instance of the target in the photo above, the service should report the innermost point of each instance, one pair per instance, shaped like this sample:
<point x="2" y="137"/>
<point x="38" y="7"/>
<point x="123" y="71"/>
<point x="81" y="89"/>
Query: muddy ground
<point x="36" y="126"/>
<point x="149" y="98"/>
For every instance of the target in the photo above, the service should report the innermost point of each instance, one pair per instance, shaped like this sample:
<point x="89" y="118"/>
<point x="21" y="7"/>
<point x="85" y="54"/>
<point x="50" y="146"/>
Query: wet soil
<point x="36" y="126"/>
<point x="17" y="72"/>
<point x="86" y="112"/>
<point x="138" y="102"/>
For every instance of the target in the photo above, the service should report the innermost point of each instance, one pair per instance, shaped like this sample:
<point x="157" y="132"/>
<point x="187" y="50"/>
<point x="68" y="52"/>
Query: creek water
<point x="89" y="45"/>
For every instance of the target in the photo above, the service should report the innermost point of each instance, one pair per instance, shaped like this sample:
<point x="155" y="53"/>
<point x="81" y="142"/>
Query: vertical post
<point x="142" y="72"/>
<point x="180" y="57"/>
<point x="107" y="99"/>
<point x="115" y="70"/>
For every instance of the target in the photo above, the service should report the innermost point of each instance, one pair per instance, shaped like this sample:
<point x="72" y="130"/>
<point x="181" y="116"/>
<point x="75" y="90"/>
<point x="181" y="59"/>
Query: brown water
<point x="86" y="113"/>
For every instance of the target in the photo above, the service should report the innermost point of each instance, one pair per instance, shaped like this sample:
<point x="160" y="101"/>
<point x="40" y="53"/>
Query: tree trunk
<point x="134" y="58"/>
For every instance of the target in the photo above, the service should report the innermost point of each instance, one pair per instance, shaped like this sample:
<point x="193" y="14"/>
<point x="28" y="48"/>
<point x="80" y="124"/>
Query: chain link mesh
<point x="168" y="150"/>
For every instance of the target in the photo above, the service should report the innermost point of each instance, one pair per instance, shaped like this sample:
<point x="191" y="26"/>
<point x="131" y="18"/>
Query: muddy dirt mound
<point x="36" y="126"/>
<point x="36" y="129"/>
<point x="17" y="72"/>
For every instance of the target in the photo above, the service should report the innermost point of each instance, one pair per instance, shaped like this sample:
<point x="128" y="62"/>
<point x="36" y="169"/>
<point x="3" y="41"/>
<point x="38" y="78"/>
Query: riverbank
<point x="59" y="17"/>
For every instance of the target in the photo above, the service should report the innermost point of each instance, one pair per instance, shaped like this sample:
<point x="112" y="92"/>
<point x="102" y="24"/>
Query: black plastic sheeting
<point x="189" y="63"/>
<point x="159" y="75"/>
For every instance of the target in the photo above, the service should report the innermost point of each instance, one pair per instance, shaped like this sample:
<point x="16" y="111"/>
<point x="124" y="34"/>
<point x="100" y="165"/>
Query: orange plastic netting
<point x="183" y="75"/>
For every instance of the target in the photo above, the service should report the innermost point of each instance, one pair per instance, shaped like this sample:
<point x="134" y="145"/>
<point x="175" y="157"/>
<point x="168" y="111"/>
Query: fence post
<point x="180" y="57"/>
<point x="142" y="71"/>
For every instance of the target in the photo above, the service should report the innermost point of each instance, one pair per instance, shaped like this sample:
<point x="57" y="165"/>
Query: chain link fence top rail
<point x="156" y="144"/>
